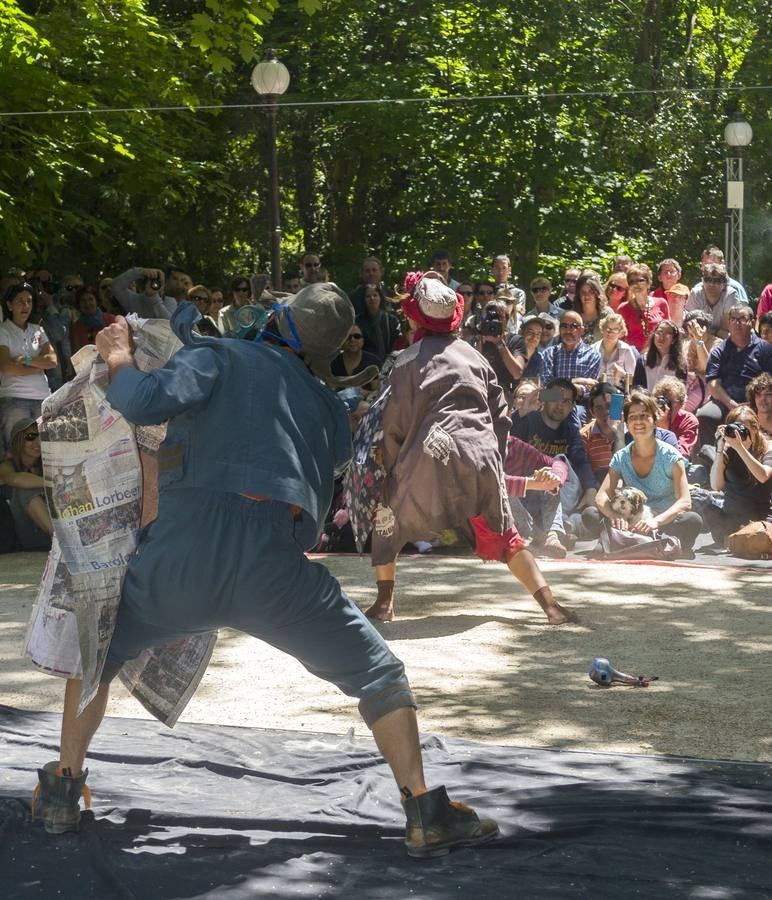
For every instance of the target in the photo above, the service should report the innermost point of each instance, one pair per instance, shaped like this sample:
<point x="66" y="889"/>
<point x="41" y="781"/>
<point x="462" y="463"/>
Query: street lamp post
<point x="737" y="134"/>
<point x="270" y="79"/>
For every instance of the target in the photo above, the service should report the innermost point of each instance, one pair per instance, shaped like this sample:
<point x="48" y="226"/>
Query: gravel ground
<point x="486" y="667"/>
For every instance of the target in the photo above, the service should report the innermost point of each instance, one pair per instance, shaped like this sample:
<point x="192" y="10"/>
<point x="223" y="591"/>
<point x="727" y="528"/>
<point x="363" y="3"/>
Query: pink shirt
<point x="641" y="322"/>
<point x="765" y="301"/>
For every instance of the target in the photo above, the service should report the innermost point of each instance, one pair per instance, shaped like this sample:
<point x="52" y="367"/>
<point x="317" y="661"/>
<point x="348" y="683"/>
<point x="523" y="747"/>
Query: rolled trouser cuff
<point x="376" y="706"/>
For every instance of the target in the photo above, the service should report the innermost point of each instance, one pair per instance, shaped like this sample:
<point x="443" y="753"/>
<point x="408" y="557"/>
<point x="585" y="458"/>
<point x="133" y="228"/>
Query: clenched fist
<point x="115" y="345"/>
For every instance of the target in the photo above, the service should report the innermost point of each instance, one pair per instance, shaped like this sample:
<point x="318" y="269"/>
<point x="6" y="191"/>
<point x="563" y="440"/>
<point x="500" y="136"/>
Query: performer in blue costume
<point x="253" y="444"/>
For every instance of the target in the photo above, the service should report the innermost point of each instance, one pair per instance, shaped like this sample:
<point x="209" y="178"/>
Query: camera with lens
<point x="155" y="283"/>
<point x="490" y="323"/>
<point x="737" y="429"/>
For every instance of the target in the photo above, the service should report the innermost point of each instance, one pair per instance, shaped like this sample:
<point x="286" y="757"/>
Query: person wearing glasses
<point x="201" y="298"/>
<point x="732" y="365"/>
<point x="641" y="312"/>
<point x="668" y="274"/>
<point x="353" y="358"/>
<point x="22" y="474"/>
<point x="241" y="295"/>
<point x="572" y="358"/>
<point x="216" y="303"/>
<point x="716" y="296"/>
<point x="714" y="254"/>
<point x="107" y="301"/>
<point x="25" y="356"/>
<point x="482" y="293"/>
<point x="618" y="359"/>
<point x="615" y="290"/>
<point x="311" y="268"/>
<point x="549" y="329"/>
<point x="149" y="300"/>
<point x="565" y="300"/>
<point x="541" y="293"/>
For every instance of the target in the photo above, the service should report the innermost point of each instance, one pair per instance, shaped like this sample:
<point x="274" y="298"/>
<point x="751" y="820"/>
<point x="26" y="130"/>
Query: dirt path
<point x="485" y="667"/>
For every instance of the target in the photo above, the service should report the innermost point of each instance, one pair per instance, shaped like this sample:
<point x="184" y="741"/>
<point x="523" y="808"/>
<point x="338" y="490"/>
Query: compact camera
<point x="155" y="284"/>
<point x="737" y="429"/>
<point x="490" y="323"/>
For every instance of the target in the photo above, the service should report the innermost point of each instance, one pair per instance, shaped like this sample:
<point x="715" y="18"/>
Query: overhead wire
<point x="296" y="104"/>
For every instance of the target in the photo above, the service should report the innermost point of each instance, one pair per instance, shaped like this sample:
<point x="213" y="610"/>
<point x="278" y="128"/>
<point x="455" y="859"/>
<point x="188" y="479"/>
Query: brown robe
<point x="445" y="428"/>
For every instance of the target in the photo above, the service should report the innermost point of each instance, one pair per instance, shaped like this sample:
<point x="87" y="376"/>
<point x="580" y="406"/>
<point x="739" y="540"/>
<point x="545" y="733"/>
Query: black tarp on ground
<point x="223" y="812"/>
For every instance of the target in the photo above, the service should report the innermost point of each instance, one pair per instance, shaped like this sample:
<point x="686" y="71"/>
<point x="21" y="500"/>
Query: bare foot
<point x="557" y="615"/>
<point x="381" y="613"/>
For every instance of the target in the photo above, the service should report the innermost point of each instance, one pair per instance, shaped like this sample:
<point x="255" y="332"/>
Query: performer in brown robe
<point x="445" y="428"/>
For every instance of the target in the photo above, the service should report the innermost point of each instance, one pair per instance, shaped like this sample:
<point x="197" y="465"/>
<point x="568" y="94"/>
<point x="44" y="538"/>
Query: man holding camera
<point x="148" y="301"/>
<point x="498" y="346"/>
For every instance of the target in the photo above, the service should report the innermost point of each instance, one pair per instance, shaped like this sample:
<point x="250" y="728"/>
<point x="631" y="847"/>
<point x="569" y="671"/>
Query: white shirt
<point x="30" y="341"/>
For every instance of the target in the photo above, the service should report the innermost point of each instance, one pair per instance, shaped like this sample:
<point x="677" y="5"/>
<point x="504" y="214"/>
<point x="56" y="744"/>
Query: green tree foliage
<point x="597" y="128"/>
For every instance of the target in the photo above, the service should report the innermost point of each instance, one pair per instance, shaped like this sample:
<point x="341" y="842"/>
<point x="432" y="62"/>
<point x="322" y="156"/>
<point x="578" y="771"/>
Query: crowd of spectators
<point x="689" y="361"/>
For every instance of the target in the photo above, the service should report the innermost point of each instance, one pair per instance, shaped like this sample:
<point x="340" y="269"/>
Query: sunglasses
<point x="199" y="299"/>
<point x="354" y="337"/>
<point x="570" y="326"/>
<point x="549" y="326"/>
<point x="618" y="287"/>
<point x="31" y="435"/>
<point x="713" y="279"/>
<point x="739" y="320"/>
<point x="313" y="265"/>
<point x="570" y="280"/>
<point x="540" y="290"/>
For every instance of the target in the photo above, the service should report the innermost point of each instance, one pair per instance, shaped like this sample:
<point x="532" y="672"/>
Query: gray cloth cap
<point x="322" y="315"/>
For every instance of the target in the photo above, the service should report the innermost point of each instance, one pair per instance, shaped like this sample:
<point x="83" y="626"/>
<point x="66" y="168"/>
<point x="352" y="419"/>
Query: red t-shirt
<point x="641" y="322"/>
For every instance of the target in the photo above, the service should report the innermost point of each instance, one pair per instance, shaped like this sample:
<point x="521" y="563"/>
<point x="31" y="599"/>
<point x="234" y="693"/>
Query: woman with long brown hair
<point x="590" y="303"/>
<point x="664" y="354"/>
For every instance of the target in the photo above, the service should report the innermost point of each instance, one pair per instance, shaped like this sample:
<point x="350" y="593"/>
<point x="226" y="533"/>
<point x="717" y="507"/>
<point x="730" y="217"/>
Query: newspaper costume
<point x="93" y="465"/>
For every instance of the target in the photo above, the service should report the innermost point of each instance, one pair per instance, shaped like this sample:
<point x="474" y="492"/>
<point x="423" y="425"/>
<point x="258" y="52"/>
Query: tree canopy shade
<point x="566" y="131"/>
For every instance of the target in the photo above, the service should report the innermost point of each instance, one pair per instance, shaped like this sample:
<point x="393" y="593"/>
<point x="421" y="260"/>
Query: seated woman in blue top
<point x="655" y="468"/>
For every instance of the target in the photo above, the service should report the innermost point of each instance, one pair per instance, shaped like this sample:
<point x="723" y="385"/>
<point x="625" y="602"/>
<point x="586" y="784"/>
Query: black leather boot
<point x="436" y="824"/>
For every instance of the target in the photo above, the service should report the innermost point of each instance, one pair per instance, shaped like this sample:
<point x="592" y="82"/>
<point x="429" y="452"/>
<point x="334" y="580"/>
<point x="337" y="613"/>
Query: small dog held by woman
<point x="630" y="504"/>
